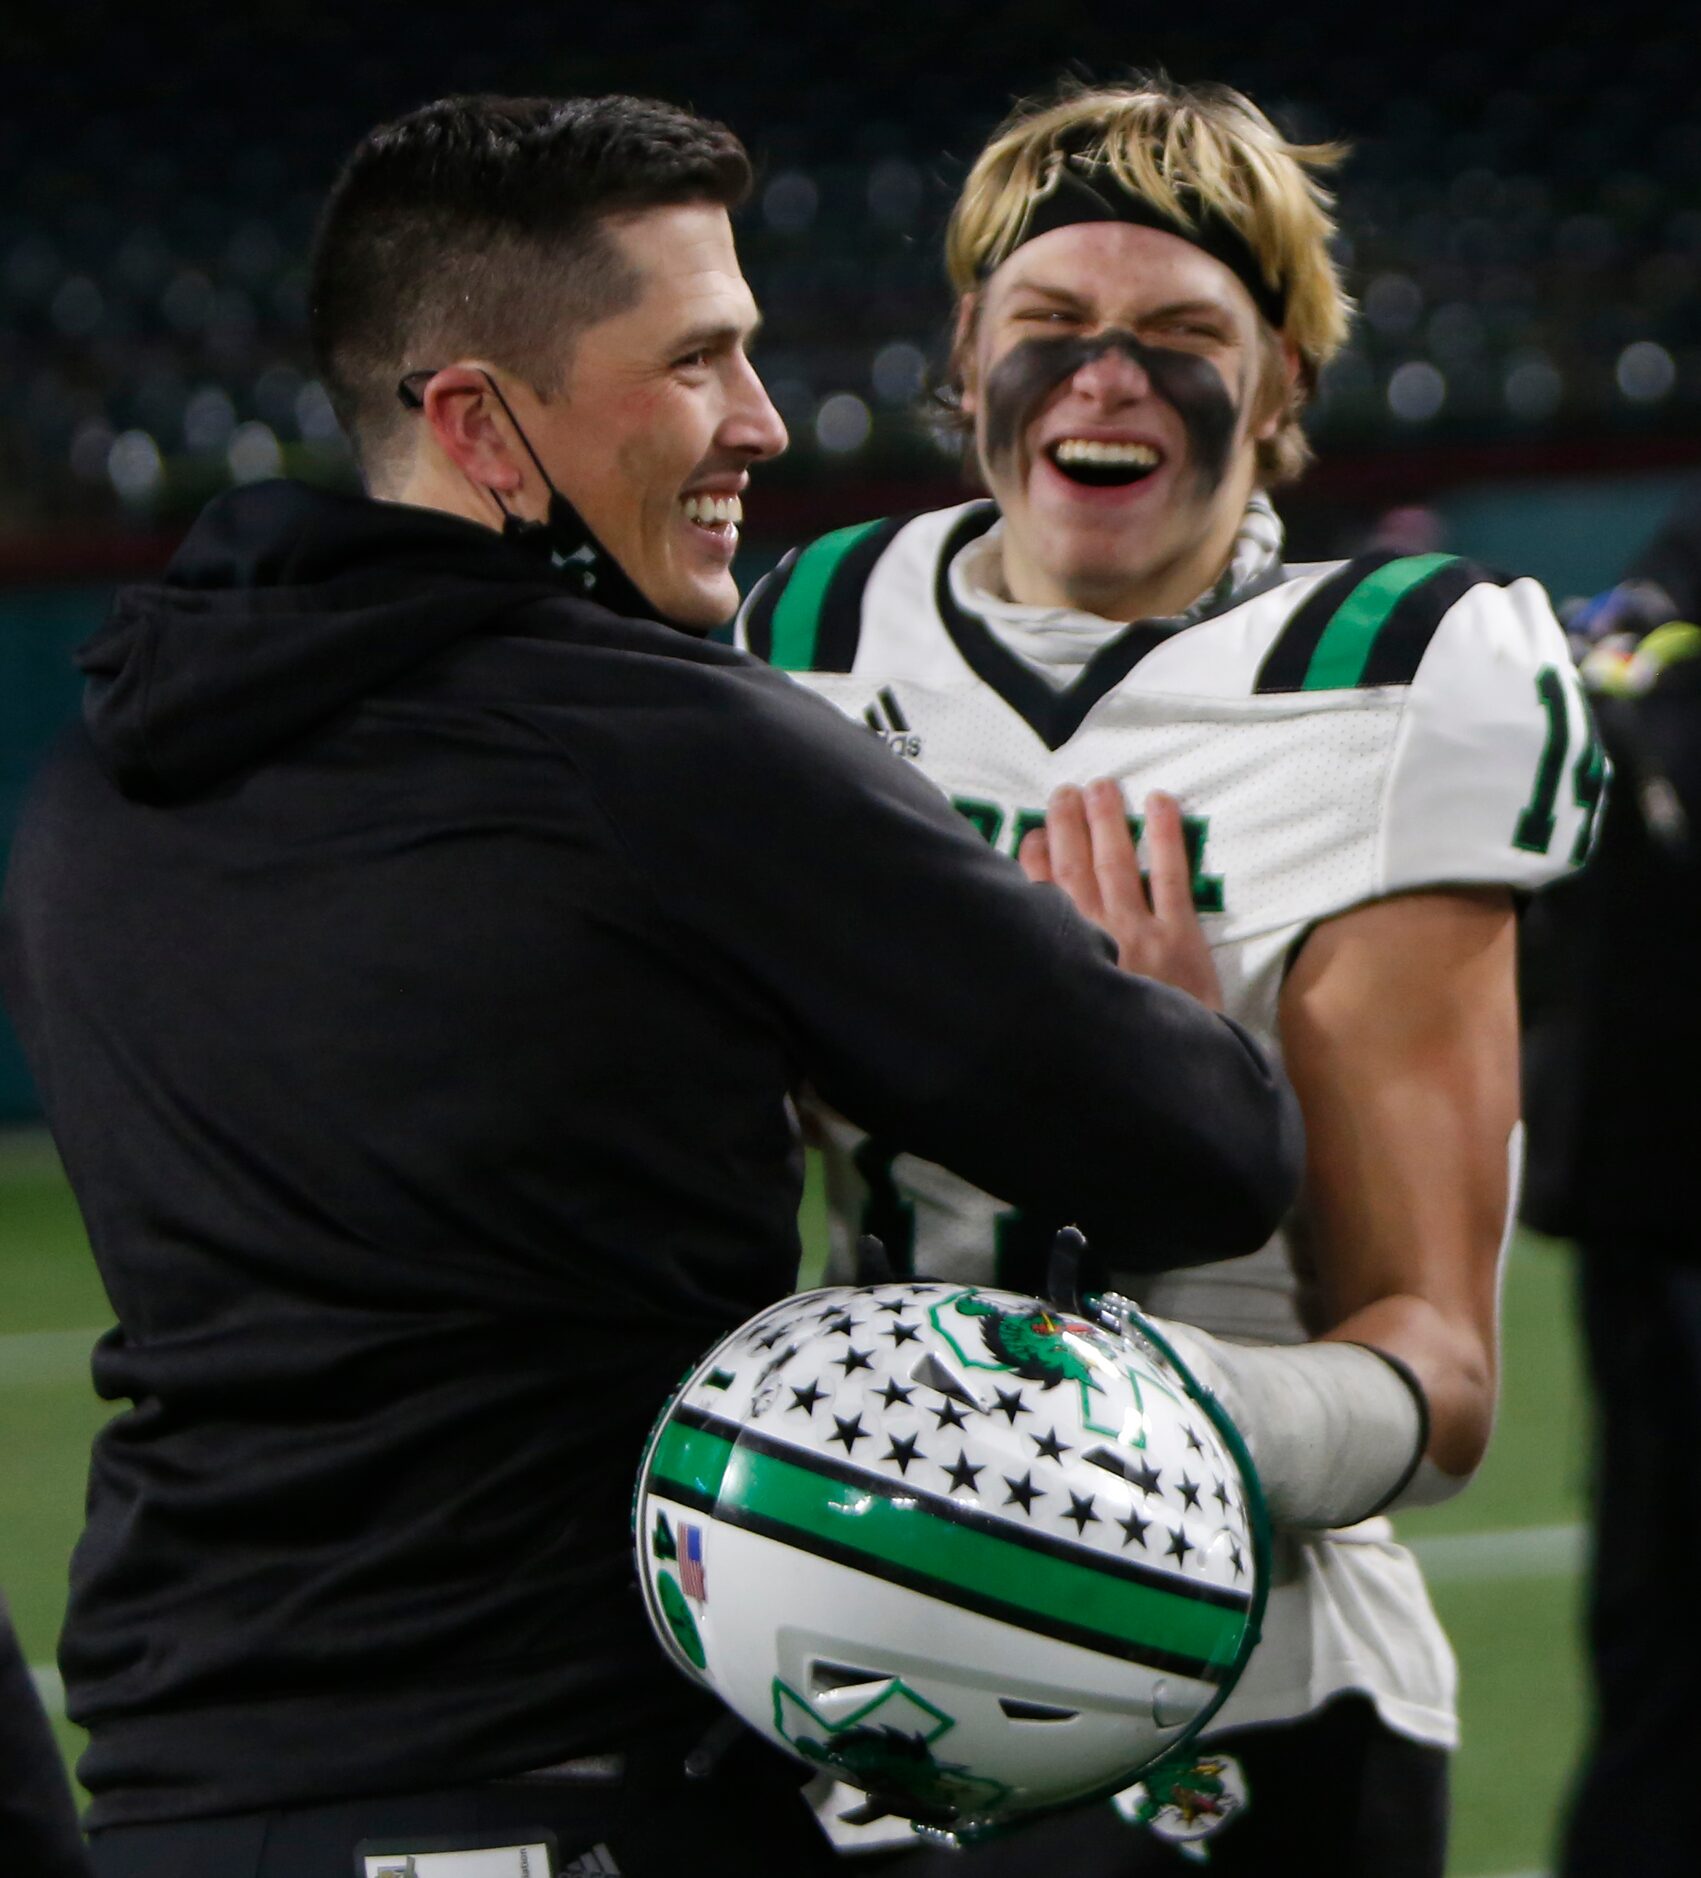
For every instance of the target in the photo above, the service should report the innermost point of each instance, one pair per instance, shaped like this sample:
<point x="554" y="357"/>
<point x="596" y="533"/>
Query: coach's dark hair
<point x="473" y="227"/>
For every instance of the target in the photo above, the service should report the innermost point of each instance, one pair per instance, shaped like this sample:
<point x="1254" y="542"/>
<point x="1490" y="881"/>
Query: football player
<point x="1338" y="776"/>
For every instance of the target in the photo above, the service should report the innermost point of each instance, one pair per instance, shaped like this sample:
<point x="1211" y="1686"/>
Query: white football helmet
<point x="974" y="1555"/>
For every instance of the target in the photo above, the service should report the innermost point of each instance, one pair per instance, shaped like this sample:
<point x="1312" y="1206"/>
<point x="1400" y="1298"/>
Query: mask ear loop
<point x="508" y="411"/>
<point x="411" y="396"/>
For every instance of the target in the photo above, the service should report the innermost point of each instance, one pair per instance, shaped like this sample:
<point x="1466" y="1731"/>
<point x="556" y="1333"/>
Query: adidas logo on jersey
<point x="886" y="719"/>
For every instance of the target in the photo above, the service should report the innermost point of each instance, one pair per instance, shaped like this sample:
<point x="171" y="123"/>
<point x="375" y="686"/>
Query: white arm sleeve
<point x="1336" y="1430"/>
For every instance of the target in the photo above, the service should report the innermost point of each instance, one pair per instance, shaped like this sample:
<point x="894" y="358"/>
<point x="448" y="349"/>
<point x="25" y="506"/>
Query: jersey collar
<point x="1054" y="712"/>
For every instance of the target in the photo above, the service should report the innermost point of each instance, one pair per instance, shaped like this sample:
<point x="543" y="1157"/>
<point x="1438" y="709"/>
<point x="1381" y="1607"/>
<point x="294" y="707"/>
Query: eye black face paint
<point x="1021" y="381"/>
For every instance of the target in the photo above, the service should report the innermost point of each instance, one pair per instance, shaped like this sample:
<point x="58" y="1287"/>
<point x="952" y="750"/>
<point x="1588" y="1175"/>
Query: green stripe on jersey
<point x="1100" y="1608"/>
<point x="1339" y="660"/>
<point x="797" y="617"/>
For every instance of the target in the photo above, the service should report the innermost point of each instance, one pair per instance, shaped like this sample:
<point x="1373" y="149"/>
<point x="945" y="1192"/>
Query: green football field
<point x="1504" y="1560"/>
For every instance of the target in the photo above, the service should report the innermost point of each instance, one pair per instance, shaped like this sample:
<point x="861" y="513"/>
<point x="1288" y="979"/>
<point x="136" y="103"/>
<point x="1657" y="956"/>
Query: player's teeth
<point x="712" y="510"/>
<point x="1093" y="450"/>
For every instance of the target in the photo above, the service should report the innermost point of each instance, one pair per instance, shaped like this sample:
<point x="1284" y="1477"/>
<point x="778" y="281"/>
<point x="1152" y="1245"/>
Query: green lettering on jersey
<point x="1027" y="820"/>
<point x="986" y="818"/>
<point x="1588" y="785"/>
<point x="1534" y="829"/>
<point x="1195" y="829"/>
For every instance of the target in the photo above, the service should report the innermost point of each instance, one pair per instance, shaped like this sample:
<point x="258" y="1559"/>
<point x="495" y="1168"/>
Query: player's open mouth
<point x="1100" y="465"/>
<point x="717" y="514"/>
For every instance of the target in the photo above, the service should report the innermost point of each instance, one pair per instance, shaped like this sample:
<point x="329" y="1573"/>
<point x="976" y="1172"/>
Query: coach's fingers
<point x="1169" y="871"/>
<point x="1116" y="866"/>
<point x="1069" y="848"/>
<point x="1035" y="857"/>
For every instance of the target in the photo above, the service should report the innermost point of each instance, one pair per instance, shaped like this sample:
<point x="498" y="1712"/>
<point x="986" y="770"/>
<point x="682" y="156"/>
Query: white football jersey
<point x="1342" y="732"/>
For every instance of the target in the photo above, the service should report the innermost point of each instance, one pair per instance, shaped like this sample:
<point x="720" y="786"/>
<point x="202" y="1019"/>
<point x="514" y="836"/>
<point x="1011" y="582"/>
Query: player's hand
<point x="1086" y="848"/>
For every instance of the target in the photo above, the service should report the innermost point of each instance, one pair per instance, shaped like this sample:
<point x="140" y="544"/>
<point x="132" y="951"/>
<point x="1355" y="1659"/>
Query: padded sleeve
<point x="1497" y="775"/>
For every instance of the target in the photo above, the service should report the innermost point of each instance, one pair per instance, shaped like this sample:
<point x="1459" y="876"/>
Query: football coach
<point x="416" y="945"/>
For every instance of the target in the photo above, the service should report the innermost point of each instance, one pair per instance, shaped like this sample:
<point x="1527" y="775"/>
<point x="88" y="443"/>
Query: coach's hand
<point x="1087" y="849"/>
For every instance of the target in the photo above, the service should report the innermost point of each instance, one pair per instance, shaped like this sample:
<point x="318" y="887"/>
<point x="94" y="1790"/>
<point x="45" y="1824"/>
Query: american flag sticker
<point x="691" y="1562"/>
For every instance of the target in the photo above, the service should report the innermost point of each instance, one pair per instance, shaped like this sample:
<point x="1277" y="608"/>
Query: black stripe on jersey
<point x="1053" y="716"/>
<point x="1405" y="635"/>
<point x="840" y="616"/>
<point x="1289" y="659"/>
<point x="759" y="621"/>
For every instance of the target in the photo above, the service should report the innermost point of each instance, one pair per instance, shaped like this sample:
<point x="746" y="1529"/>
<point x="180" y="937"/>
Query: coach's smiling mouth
<point x="716" y="512"/>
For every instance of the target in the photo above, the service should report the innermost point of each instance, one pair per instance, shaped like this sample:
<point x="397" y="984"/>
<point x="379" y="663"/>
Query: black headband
<point x="1080" y="190"/>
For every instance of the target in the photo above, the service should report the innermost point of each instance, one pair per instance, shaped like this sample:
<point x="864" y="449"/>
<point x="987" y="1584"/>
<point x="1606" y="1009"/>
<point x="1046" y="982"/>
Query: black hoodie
<point x="415" y="962"/>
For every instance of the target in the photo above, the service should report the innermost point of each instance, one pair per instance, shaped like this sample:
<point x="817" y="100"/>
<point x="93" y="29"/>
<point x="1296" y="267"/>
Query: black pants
<point x="38" y="1823"/>
<point x="1632" y="1808"/>
<point x="744" y="1818"/>
<point x="1338" y="1795"/>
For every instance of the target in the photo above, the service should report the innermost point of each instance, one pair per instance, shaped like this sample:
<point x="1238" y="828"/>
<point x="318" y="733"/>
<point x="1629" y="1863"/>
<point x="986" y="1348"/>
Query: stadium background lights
<point x="1416" y="391"/>
<point x="134" y="465"/>
<point x="1533" y="387"/>
<point x="842" y="423"/>
<point x="1646" y="372"/>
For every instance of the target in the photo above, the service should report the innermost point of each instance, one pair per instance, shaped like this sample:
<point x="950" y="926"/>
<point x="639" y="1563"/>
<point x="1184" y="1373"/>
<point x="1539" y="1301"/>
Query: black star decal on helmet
<point x="1194" y="1444"/>
<point x="840" y="1324"/>
<point x="896" y="1306"/>
<point x="1190" y="1492"/>
<point x="1081" y="1510"/>
<point x="892" y="1395"/>
<point x="950" y="1416"/>
<point x="805" y="1398"/>
<point x="849" y="1430"/>
<point x="901" y="1452"/>
<point x="1179" y="1545"/>
<point x="1010" y="1403"/>
<point x="854" y="1359"/>
<point x="1023" y="1492"/>
<point x="1050" y="1447"/>
<point x="1236" y="1560"/>
<point x="773" y="1337"/>
<point x="1134" y="1529"/>
<point x="1221" y="1496"/>
<point x="962" y="1474"/>
<point x="1146" y="1477"/>
<point x="903" y="1333"/>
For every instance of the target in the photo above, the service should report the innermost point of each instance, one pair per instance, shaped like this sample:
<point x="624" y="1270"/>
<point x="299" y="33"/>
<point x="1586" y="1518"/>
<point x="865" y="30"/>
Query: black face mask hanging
<point x="563" y="537"/>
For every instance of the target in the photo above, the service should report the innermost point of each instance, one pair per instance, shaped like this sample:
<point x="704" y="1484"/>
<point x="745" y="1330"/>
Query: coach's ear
<point x="461" y="409"/>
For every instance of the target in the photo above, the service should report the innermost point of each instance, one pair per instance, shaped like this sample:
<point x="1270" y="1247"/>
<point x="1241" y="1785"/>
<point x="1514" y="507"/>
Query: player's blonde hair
<point x="1189" y="150"/>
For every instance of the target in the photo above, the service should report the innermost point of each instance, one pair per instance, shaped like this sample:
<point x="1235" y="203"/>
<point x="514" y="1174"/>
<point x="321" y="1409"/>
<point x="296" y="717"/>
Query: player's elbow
<point x="1462" y="1413"/>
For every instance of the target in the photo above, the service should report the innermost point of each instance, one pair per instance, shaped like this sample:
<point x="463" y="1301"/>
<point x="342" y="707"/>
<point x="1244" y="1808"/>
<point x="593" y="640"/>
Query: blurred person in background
<point x="1613" y="1034"/>
<point x="1338" y="776"/>
<point x="415" y="949"/>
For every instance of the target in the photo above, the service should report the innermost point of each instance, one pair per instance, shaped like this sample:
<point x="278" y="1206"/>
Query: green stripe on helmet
<point x="921" y="1540"/>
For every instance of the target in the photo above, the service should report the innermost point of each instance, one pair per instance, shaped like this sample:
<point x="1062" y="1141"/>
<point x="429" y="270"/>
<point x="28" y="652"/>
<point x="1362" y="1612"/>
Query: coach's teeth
<point x="1092" y="450"/>
<point x="712" y="511"/>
